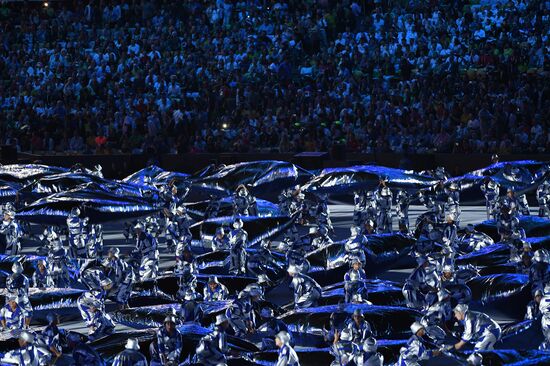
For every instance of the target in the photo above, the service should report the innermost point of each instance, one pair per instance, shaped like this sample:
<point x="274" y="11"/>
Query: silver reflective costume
<point x="29" y="355"/>
<point x="177" y="229"/>
<point x="491" y="191"/>
<point x="218" y="294"/>
<point x="359" y="204"/>
<point x="58" y="267"/>
<point x="13" y="234"/>
<point x="244" y="203"/>
<point x="94" y="241"/>
<point x="439" y="313"/>
<point x="77" y="235"/>
<point x="473" y="240"/>
<point x="544" y="308"/>
<point x="449" y="240"/>
<point x="306" y="291"/>
<point x="371" y="209"/>
<point x="344" y="352"/>
<point x="285" y="202"/>
<point x="146" y="244"/>
<point x="355" y="246"/>
<point x="384" y="197"/>
<point x="453" y="205"/>
<point x="533" y="310"/>
<point x="240" y="315"/>
<point x="354" y="286"/>
<point x="124" y="280"/>
<point x="212" y="348"/>
<point x="287" y="356"/>
<point x="220" y="240"/>
<point x="508" y="227"/>
<point x="402" y="210"/>
<point x="414" y="352"/>
<point x="169" y="346"/>
<point x="421" y="286"/>
<point x="523" y="205"/>
<point x="88" y="299"/>
<point x="100" y="325"/>
<point x="543" y="199"/>
<point x="359" y="332"/>
<point x="129" y="357"/>
<point x="480" y="329"/>
<point x="238" y="239"/>
<point x="17" y="285"/>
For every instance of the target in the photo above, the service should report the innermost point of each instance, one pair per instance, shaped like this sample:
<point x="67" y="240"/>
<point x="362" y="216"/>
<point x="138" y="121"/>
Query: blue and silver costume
<point x="77" y="234"/>
<point x="15" y="319"/>
<point x="402" y="210"/>
<point x="238" y="238"/>
<point x="169" y="346"/>
<point x="17" y="285"/>
<point x="543" y="198"/>
<point x="217" y="294"/>
<point x="480" y="329"/>
<point x="306" y="291"/>
<point x="354" y="286"/>
<point x="212" y="348"/>
<point x="13" y="233"/>
<point x="240" y="314"/>
<point x="384" y="197"/>
<point x="146" y="245"/>
<point x="414" y="352"/>
<point x="491" y="190"/>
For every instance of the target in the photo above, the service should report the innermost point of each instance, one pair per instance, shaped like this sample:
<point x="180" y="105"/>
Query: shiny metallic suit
<point x="543" y="198"/>
<point x="491" y="190"/>
<point x="384" y="198"/>
<point x="238" y="238"/>
<point x="402" y="210"/>
<point x="13" y="233"/>
<point x="306" y="291"/>
<point x="77" y="234"/>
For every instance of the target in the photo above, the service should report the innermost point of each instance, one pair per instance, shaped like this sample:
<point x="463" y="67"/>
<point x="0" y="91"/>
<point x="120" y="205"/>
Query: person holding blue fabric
<point x="100" y="325"/>
<point x="344" y="349"/>
<point x="77" y="234"/>
<point x="270" y="327"/>
<point x="214" y="290"/>
<point x="17" y="285"/>
<point x="49" y="337"/>
<point x="287" y="355"/>
<point x="240" y="314"/>
<point x="83" y="354"/>
<point x="416" y="350"/>
<point x="27" y="354"/>
<point x="40" y="275"/>
<point x="131" y="356"/>
<point x="146" y="246"/>
<point x="12" y="232"/>
<point x="11" y="315"/>
<point x="169" y="344"/>
<point x="213" y="347"/>
<point x="95" y="298"/>
<point x="307" y="291"/>
<point x="370" y="356"/>
<point x="479" y="328"/>
<point x="355" y="288"/>
<point x="359" y="328"/>
<point x="58" y="266"/>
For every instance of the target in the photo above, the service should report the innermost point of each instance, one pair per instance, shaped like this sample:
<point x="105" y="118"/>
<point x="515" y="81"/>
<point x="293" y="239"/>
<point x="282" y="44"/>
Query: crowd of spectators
<point x="174" y="76"/>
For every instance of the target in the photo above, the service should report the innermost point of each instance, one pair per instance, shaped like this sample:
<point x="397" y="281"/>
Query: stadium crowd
<point x="237" y="76"/>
